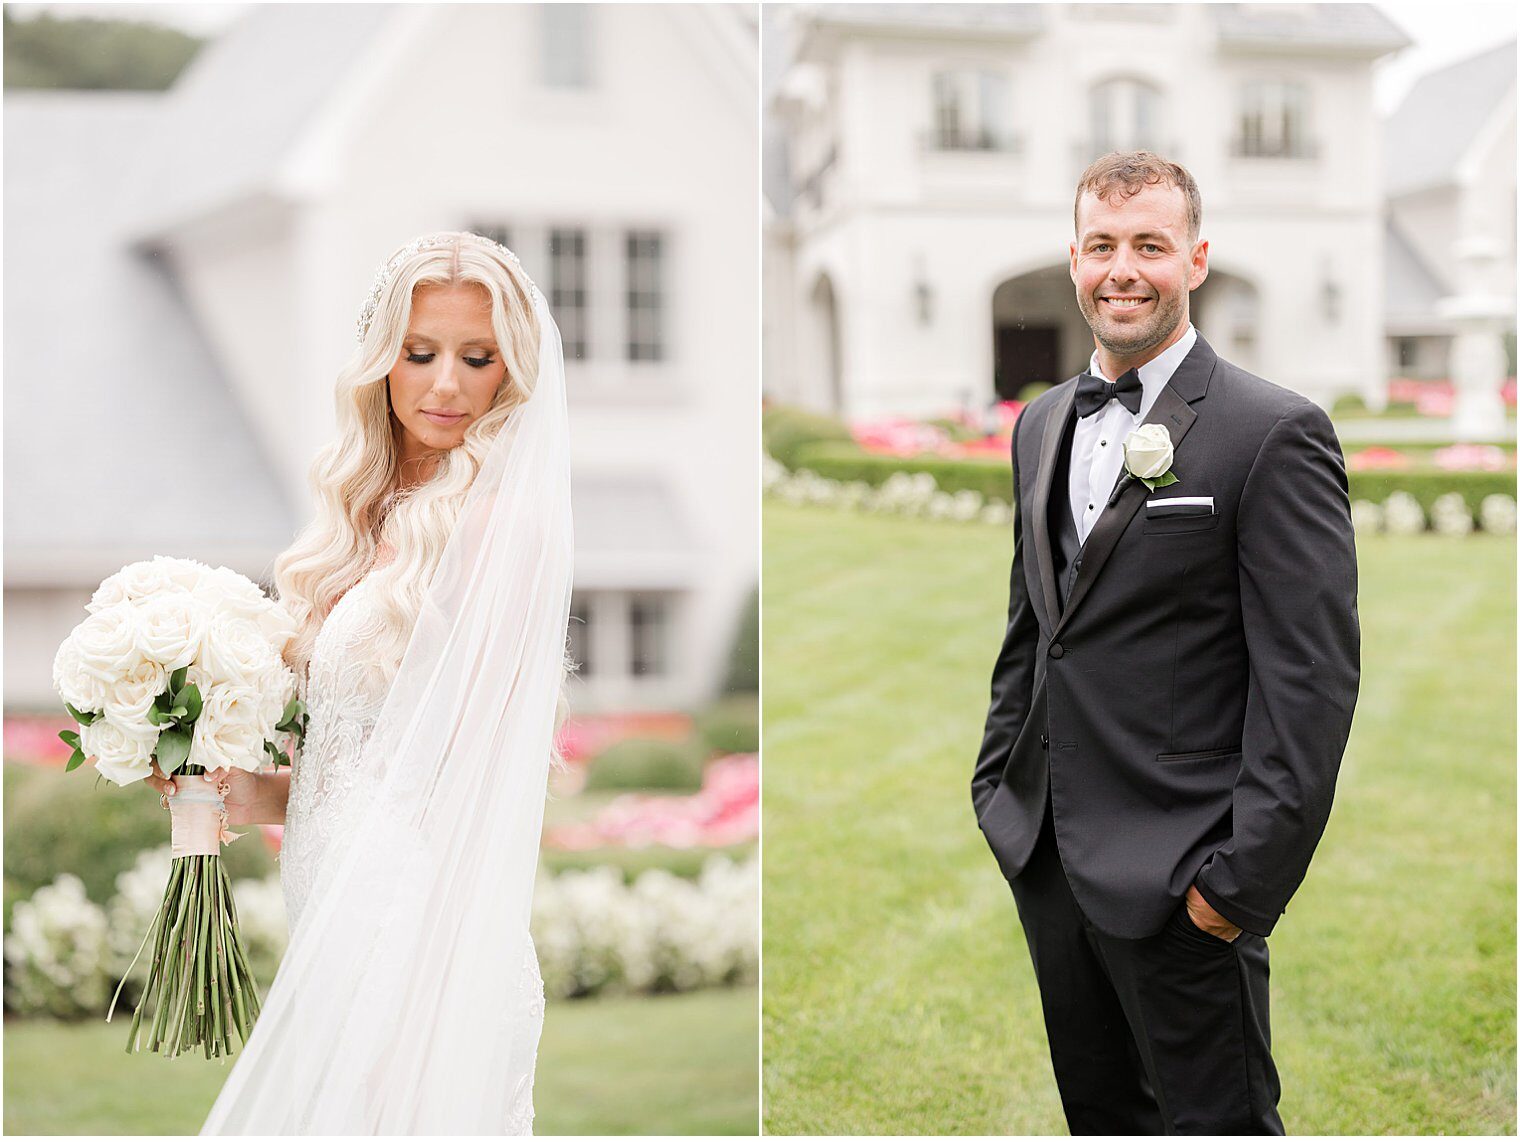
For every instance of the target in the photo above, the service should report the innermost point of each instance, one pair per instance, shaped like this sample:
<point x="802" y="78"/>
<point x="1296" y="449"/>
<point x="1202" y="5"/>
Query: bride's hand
<point x="244" y="797"/>
<point x="244" y="791"/>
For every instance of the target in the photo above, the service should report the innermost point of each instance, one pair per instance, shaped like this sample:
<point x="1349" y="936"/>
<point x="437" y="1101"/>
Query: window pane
<point x="649" y="620"/>
<point x="567" y="288"/>
<point x="580" y="633"/>
<point x="644" y="269"/>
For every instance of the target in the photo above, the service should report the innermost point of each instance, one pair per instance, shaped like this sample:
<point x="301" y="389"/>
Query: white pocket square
<point x="1180" y="505"/>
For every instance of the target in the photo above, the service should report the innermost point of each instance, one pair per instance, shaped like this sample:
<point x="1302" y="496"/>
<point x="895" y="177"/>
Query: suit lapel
<point x="1172" y="409"/>
<point x="1050" y="446"/>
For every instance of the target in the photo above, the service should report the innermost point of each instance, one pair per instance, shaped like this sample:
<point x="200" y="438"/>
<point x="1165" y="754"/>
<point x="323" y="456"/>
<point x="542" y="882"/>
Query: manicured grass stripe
<point x="682" y="1064"/>
<point x="898" y="993"/>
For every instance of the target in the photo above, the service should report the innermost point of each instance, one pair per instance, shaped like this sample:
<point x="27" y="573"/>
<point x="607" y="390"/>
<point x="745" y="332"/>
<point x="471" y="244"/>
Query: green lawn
<point x="898" y="995"/>
<point x="682" y="1064"/>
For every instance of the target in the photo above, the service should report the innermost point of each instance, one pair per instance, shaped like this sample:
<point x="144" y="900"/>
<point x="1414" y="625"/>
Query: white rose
<point x="235" y="651"/>
<point x="131" y="696"/>
<point x="1148" y="451"/>
<point x="279" y="626"/>
<point x="173" y="626"/>
<point x="77" y="687"/>
<point x="276" y="687"/>
<point x="223" y="590"/>
<point x="185" y="574"/>
<point x="108" y="642"/>
<point x="230" y="730"/>
<point x="123" y="756"/>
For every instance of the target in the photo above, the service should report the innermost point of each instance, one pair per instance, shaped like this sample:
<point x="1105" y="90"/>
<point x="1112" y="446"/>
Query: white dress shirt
<point x="1097" y="455"/>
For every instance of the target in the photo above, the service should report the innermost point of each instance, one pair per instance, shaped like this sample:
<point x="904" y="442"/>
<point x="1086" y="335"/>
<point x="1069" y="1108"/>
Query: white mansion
<point x="183" y="271"/>
<point x="921" y="166"/>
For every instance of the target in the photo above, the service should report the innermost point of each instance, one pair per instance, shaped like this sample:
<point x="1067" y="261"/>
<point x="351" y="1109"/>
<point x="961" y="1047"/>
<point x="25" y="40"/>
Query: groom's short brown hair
<point x="1125" y="173"/>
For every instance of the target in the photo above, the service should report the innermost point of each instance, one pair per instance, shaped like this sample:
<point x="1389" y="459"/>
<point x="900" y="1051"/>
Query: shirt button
<point x="1104" y="443"/>
<point x="1089" y="507"/>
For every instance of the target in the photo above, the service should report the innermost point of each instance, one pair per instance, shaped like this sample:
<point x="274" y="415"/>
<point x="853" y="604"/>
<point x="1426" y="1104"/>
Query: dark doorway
<point x="1023" y="354"/>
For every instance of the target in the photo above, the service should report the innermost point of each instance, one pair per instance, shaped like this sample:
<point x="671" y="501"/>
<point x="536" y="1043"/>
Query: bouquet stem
<point x="199" y="987"/>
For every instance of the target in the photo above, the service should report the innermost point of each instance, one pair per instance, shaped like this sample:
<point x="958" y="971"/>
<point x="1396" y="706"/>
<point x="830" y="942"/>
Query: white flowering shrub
<point x="1449" y="514"/>
<point x="772" y="472"/>
<point x="997" y="513"/>
<point x="1366" y="516"/>
<point x="1496" y="514"/>
<point x="64" y="955"/>
<point x="55" y="953"/>
<point x="1402" y="514"/>
<point x="594" y="933"/>
<point x="262" y="921"/>
<point x="130" y="914"/>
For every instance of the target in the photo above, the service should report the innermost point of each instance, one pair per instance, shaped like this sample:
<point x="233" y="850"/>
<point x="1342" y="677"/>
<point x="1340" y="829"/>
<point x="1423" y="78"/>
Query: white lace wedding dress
<point x="344" y="693"/>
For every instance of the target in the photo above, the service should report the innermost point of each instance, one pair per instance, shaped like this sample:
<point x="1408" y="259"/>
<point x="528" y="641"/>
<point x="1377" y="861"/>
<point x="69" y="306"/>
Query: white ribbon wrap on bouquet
<point x="398" y="1008"/>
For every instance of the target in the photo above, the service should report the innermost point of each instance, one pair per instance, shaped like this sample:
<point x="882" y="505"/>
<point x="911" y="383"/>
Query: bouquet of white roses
<point x="182" y="664"/>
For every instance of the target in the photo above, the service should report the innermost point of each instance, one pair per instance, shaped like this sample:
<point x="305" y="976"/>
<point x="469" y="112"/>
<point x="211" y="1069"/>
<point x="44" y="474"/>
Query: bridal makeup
<point x="448" y="371"/>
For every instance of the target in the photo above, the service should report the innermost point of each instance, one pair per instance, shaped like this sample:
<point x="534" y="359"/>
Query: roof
<point x="989" y="18"/>
<point x="120" y="432"/>
<point x="1357" y="29"/>
<point x="1426" y="138"/>
<point x="1411" y="290"/>
<point x="229" y="124"/>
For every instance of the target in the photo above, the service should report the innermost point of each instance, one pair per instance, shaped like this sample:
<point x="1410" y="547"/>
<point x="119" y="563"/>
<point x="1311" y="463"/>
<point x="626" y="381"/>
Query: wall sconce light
<point x="923" y="294"/>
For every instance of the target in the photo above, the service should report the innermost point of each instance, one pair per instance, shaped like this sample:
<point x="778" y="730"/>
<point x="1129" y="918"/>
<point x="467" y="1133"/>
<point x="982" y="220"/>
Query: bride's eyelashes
<point x="474" y="362"/>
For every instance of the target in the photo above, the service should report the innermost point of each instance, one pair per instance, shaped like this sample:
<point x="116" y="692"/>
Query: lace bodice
<point x="344" y="692"/>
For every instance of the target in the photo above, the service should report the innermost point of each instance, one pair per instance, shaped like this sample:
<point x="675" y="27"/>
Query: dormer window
<point x="970" y="111"/>
<point x="1274" y="121"/>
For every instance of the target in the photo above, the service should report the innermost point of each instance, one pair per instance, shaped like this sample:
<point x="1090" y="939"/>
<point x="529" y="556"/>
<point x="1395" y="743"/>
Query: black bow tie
<point x="1094" y="392"/>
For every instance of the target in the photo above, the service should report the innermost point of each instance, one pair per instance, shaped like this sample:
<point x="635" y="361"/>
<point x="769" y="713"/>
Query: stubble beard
<point x="1131" y="340"/>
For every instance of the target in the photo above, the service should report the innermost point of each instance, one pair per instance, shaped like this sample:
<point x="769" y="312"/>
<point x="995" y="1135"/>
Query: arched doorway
<point x="1038" y="334"/>
<point x="822" y="347"/>
<point x="1226" y="309"/>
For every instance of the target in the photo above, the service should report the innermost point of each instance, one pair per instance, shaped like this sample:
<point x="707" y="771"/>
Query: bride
<point x="432" y="595"/>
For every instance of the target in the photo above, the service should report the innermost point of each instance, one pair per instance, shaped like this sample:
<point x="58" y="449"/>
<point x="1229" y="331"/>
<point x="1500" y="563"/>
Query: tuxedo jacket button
<point x="1055" y="650"/>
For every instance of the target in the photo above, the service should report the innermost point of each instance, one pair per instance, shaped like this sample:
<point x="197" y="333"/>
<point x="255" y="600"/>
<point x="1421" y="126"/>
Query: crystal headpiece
<point x="428" y="242"/>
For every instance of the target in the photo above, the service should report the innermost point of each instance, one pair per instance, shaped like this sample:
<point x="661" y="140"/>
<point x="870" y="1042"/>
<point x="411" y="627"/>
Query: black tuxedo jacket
<point x="1184" y="714"/>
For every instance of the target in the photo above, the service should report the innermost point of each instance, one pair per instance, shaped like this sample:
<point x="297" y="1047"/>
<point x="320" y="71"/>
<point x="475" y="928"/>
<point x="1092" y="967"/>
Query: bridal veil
<point x="399" y="1006"/>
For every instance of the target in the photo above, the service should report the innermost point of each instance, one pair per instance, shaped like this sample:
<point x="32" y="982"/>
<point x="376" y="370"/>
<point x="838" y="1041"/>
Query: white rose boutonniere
<point x="1148" y="456"/>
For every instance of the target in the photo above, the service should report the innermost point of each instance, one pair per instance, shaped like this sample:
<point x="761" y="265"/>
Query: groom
<point x="1175" y="686"/>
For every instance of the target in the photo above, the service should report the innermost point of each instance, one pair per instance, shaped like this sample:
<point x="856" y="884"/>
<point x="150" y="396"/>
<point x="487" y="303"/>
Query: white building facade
<point x="933" y="152"/>
<point x="614" y="148"/>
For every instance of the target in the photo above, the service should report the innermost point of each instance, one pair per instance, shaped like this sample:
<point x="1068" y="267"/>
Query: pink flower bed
<point x="33" y="738"/>
<point x="900" y="436"/>
<point x="1468" y="457"/>
<point x="1369" y="458"/>
<point x="726" y="811"/>
<point x="586" y="736"/>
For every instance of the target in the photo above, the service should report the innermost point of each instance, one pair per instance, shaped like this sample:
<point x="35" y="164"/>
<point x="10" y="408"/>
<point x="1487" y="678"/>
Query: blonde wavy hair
<point x="354" y="475"/>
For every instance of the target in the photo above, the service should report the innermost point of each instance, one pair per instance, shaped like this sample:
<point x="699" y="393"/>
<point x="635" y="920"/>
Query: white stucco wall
<point x="1301" y="232"/>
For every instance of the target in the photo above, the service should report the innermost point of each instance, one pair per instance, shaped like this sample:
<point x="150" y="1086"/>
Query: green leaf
<point x="69" y="737"/>
<point x="156" y="716"/>
<point x="75" y="761"/>
<point x="173" y="749"/>
<point x="1166" y="478"/>
<point x="83" y="717"/>
<point x="177" y="712"/>
<point x="190" y="698"/>
<point x="177" y="679"/>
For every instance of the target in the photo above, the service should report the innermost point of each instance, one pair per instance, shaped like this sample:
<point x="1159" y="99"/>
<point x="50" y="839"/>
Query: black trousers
<point x="1162" y="1035"/>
